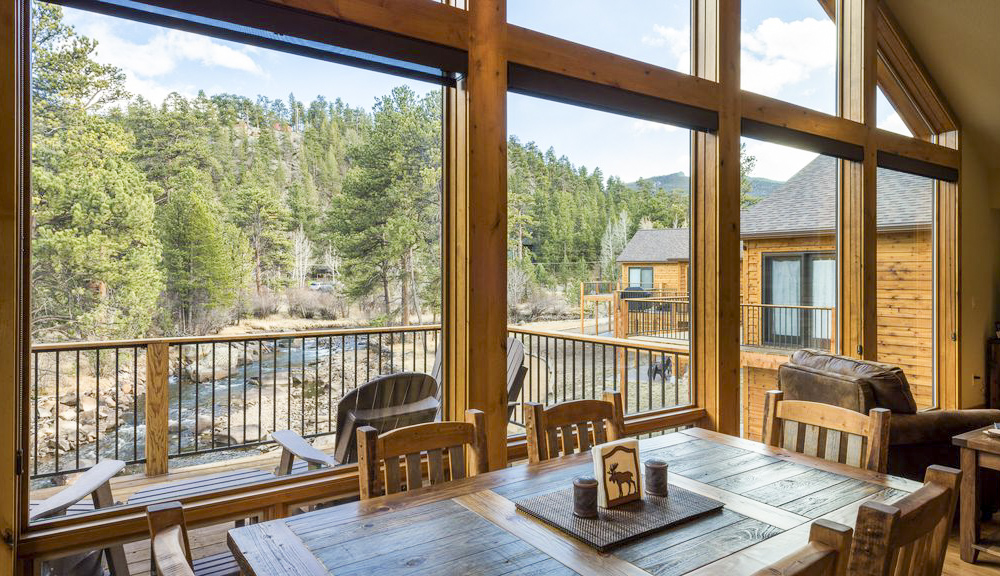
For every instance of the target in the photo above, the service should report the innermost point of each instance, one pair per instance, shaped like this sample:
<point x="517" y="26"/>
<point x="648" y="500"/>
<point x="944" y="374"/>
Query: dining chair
<point x="551" y="430"/>
<point x="826" y="554"/>
<point x="171" y="550"/>
<point x="909" y="536"/>
<point x="378" y="455"/>
<point x="828" y="431"/>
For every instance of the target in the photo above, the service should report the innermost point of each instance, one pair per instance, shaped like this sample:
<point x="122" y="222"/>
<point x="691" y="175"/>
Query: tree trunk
<point x="404" y="296"/>
<point x="416" y="296"/>
<point x="385" y="287"/>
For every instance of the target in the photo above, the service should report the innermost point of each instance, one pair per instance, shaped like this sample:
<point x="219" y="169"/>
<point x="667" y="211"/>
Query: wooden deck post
<point x="157" y="408"/>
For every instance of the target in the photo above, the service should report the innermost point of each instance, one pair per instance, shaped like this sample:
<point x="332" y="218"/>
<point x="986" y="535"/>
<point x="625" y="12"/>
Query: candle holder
<point x="585" y="497"/>
<point x="656" y="477"/>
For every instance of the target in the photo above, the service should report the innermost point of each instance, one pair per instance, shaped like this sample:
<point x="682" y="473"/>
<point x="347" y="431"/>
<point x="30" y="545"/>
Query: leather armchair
<point x="916" y="439"/>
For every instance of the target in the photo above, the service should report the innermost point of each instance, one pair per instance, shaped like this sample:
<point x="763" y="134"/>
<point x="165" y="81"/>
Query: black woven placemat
<point x="621" y="524"/>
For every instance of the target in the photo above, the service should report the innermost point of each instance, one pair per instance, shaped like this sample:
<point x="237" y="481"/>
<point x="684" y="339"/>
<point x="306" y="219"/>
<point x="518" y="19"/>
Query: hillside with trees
<point x="190" y="215"/>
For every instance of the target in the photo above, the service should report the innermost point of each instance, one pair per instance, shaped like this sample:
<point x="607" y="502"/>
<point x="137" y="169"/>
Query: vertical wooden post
<point x="947" y="273"/>
<point x="14" y="287"/>
<point x="715" y="215"/>
<point x="487" y="223"/>
<point x="157" y="408"/>
<point x="581" y="308"/>
<point x="856" y="37"/>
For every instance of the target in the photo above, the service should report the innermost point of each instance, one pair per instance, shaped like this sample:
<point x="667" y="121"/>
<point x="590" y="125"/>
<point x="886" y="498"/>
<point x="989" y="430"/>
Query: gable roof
<point x="807" y="203"/>
<point x="657" y="245"/>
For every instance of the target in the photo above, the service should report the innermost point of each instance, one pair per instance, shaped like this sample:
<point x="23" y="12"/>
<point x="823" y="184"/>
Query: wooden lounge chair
<point x="378" y="465"/>
<point x="828" y="431"/>
<point x="96" y="483"/>
<point x="516" y="372"/>
<point x="171" y="551"/>
<point x="596" y="422"/>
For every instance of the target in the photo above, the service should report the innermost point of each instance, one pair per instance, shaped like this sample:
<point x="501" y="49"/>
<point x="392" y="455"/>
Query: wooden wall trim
<point x="947" y="288"/>
<point x="13" y="281"/>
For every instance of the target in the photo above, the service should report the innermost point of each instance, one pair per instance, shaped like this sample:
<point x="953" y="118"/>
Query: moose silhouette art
<point x="622" y="478"/>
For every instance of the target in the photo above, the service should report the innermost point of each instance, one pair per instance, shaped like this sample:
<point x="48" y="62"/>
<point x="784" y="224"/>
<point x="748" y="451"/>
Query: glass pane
<point x="653" y="31"/>
<point x="788" y="281"/>
<point x="905" y="264"/>
<point x="789" y="52"/>
<point x="886" y="116"/>
<point x="184" y="185"/>
<point x="598" y="251"/>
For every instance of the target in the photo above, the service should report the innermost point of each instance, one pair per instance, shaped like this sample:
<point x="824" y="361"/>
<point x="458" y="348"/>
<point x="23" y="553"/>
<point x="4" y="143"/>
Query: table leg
<point x="969" y="509"/>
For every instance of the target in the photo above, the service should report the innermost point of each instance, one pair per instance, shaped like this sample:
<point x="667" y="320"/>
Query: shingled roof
<point x="807" y="203"/>
<point x="657" y="245"/>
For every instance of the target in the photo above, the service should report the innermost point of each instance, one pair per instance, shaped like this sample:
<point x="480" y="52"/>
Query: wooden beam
<point x="486" y="280"/>
<point x="774" y="112"/>
<point x="857" y="238"/>
<point x="715" y="214"/>
<point x="157" y="408"/>
<point x="14" y="330"/>
<point x="919" y="150"/>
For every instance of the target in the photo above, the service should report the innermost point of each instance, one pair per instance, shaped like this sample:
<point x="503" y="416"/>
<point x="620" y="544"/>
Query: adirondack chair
<point x="96" y="483"/>
<point x="516" y="372"/>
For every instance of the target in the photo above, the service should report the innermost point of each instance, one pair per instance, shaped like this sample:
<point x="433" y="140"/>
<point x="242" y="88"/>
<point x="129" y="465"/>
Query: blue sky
<point x="788" y="53"/>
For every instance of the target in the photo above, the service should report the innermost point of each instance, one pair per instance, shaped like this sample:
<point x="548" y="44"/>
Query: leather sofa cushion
<point x="888" y="384"/>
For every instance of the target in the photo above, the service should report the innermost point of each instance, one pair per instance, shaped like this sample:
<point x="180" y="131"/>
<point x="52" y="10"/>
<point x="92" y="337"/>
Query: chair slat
<point x="552" y="441"/>
<point x="414" y="478"/>
<point x="391" y="475"/>
<point x="583" y="434"/>
<point x="832" y="450"/>
<point x="810" y="441"/>
<point x="456" y="462"/>
<point x="435" y="466"/>
<point x="855" y="451"/>
<point x="568" y="442"/>
<point x="599" y="437"/>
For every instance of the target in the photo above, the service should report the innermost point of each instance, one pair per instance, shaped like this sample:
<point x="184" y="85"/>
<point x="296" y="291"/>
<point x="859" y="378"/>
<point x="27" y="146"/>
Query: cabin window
<point x="641" y="276"/>
<point x="798" y="288"/>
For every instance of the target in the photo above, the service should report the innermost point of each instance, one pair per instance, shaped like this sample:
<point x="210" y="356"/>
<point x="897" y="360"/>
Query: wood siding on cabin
<point x="669" y="276"/>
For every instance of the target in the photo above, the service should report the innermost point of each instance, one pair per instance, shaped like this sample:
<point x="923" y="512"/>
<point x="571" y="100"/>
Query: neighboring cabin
<point x="788" y="261"/>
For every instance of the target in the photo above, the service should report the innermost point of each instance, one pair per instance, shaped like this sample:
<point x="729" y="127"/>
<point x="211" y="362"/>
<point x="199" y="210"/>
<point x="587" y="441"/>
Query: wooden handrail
<point x="605" y="340"/>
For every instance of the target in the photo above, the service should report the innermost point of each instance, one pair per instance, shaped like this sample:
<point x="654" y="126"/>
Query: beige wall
<point x="980" y="289"/>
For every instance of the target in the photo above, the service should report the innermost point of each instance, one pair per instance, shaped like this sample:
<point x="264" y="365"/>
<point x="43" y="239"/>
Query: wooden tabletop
<point x="471" y="526"/>
<point x="978" y="439"/>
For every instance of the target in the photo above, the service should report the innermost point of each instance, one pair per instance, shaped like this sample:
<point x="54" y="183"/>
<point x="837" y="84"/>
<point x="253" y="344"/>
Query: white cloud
<point x="161" y="54"/>
<point x="677" y="41"/>
<point x="778" y="54"/>
<point x="893" y="123"/>
<point x="648" y="127"/>
<point x="777" y="162"/>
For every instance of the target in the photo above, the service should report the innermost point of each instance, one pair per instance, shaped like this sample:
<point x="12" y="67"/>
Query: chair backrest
<point x="95" y="483"/>
<point x="168" y="538"/>
<point x="911" y="536"/>
<point x="516" y="372"/>
<point x="378" y="460"/>
<point x="828" y="431"/>
<point x="826" y="554"/>
<point x="552" y="428"/>
<point x="385" y="403"/>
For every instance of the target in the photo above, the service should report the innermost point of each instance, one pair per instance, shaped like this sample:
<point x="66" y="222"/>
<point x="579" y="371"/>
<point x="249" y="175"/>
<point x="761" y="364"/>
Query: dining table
<point x="472" y="526"/>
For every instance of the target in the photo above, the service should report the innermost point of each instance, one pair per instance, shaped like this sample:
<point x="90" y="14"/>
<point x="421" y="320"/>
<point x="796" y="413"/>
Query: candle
<point x="656" y="477"/>
<point x="585" y="497"/>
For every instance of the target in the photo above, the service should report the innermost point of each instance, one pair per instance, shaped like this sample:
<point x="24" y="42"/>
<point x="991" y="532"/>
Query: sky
<point x="788" y="52"/>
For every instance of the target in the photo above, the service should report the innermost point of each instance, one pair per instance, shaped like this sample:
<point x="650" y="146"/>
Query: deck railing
<point x="565" y="366"/>
<point x="146" y="401"/>
<point x="787" y="327"/>
<point x="149" y="401"/>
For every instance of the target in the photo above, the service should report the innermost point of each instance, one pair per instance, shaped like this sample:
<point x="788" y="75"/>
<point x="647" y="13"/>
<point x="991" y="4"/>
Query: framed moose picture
<point x="616" y="467"/>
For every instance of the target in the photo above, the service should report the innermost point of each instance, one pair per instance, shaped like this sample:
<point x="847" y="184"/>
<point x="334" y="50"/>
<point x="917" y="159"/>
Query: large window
<point x="219" y="200"/>
<point x="598" y="252"/>
<point x="905" y="285"/>
<point x="788" y="265"/>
